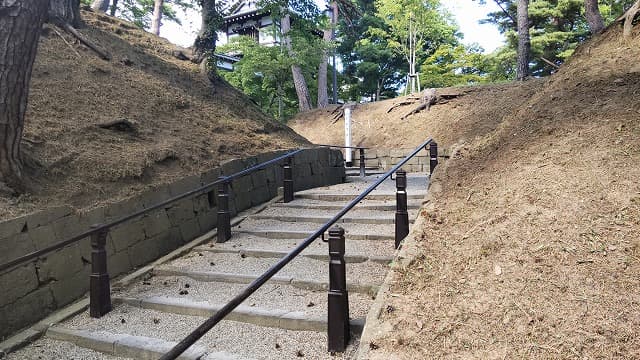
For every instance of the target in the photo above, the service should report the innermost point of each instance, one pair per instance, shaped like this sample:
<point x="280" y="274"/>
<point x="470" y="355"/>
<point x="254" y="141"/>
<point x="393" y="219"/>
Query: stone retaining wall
<point x="385" y="159"/>
<point x="33" y="290"/>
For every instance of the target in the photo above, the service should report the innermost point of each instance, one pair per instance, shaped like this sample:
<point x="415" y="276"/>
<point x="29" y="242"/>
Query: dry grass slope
<point x="531" y="248"/>
<point x="180" y="126"/>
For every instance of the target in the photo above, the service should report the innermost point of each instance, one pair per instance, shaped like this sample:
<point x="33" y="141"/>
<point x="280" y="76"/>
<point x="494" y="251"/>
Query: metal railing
<point x="361" y="153"/>
<point x="99" y="287"/>
<point x="338" y="317"/>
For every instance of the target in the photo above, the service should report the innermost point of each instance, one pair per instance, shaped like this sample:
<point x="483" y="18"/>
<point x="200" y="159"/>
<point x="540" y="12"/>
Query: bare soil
<point x="531" y="248"/>
<point x="179" y="123"/>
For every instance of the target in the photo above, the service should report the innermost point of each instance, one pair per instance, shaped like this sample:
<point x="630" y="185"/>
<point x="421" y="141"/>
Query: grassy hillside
<point x="531" y="242"/>
<point x="179" y="123"/>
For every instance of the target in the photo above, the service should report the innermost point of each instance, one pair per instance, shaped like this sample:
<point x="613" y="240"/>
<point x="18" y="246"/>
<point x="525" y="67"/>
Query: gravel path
<point x="300" y="268"/>
<point x="312" y="303"/>
<point x="356" y="247"/>
<point x="48" y="349"/>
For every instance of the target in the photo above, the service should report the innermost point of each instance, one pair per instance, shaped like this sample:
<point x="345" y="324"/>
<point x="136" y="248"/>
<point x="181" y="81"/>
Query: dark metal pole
<point x="99" y="288"/>
<point x="433" y="154"/>
<point x="287" y="185"/>
<point x="338" y="333"/>
<point x="362" y="163"/>
<point x="224" y="216"/>
<point x="402" y="216"/>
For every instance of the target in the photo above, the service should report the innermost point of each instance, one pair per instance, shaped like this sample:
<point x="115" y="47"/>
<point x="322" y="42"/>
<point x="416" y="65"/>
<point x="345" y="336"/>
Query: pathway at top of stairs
<point x="284" y="319"/>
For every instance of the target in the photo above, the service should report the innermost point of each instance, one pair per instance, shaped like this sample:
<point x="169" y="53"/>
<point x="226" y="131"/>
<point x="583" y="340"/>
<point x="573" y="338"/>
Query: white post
<point x="347" y="136"/>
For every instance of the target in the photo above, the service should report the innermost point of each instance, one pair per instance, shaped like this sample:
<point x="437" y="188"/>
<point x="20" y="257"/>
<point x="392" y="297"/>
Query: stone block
<point x="29" y="309"/>
<point x="317" y="169"/>
<point x="15" y="246"/>
<point x="12" y="227"/>
<point x="17" y="282"/>
<point x="92" y="217"/>
<point x="71" y="288"/>
<point x="242" y="184"/>
<point x="397" y="153"/>
<point x="260" y="195"/>
<point x="159" y="194"/>
<point x="184" y="185"/>
<point x="118" y="263"/>
<point x="370" y="154"/>
<point x="122" y="208"/>
<point x="145" y="251"/>
<point x="60" y="264"/>
<point x="181" y="211"/>
<point x="190" y="229"/>
<point x="201" y="203"/>
<point x="127" y="234"/>
<point x="208" y="221"/>
<point x="155" y="223"/>
<point x="241" y="200"/>
<point x="232" y="166"/>
<point x="210" y="176"/>
<point x="67" y="227"/>
<point x="258" y="179"/>
<point x="48" y="216"/>
<point x="382" y="153"/>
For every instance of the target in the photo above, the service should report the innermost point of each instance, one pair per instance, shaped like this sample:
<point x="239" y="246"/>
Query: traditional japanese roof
<point x="242" y="10"/>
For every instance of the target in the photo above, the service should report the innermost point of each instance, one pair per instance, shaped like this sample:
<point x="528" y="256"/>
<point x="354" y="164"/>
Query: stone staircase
<point x="284" y="319"/>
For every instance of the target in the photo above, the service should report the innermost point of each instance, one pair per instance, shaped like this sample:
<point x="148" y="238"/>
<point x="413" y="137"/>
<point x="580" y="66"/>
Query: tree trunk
<point x="65" y="11"/>
<point x="594" y="18"/>
<point x="100" y="5"/>
<point x="323" y="94"/>
<point x="156" y="21"/>
<point x="304" y="102"/>
<point x="114" y="7"/>
<point x="20" y="26"/>
<point x="524" y="42"/>
<point x="205" y="43"/>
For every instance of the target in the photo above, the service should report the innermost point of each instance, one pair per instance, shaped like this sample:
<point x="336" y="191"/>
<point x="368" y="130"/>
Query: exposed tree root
<point x="70" y="29"/>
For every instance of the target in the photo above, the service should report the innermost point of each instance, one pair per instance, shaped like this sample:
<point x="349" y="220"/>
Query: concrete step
<point x="238" y="339"/>
<point x="388" y="205"/>
<point x="350" y="196"/>
<point x="267" y="253"/>
<point x="300" y="230"/>
<point x="301" y="268"/>
<point x="324" y="219"/>
<point x="285" y="284"/>
<point x="274" y="318"/>
<point x="128" y="346"/>
<point x="49" y="349"/>
<point x="244" y="241"/>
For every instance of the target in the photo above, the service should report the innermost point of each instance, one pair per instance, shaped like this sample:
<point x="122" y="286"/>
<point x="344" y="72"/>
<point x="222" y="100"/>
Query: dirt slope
<point x="180" y="126"/>
<point x="531" y="248"/>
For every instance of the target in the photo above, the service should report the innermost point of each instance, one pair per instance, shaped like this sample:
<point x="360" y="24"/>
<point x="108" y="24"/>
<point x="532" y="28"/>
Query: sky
<point x="466" y="12"/>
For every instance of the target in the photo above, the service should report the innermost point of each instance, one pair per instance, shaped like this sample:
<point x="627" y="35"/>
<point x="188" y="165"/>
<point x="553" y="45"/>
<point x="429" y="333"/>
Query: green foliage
<point x="139" y="12"/>
<point x="452" y="65"/>
<point x="426" y="18"/>
<point x="264" y="73"/>
<point x="557" y="27"/>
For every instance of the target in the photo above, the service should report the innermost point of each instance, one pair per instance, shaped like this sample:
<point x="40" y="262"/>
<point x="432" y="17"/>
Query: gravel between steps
<point x="48" y="349"/>
<point x="353" y="214"/>
<point x="416" y="183"/>
<point x="368" y="273"/>
<point x="271" y="225"/>
<point x="247" y="340"/>
<point x="241" y="241"/>
<point x="269" y="296"/>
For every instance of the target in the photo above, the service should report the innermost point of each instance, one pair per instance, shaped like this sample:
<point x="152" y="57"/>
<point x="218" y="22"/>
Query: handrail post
<point x="402" y="216"/>
<point x="224" y="216"/>
<point x="99" y="288"/>
<point x="433" y="155"/>
<point x="338" y="332"/>
<point x="362" y="164"/>
<point x="287" y="184"/>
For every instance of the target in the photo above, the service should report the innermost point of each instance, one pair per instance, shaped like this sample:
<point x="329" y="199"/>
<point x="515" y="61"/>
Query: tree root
<point x="70" y="29"/>
<point x="628" y="17"/>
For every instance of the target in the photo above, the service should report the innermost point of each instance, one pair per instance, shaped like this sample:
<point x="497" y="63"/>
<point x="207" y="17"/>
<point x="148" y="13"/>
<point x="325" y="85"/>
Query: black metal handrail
<point x="104" y="227"/>
<point x="361" y="150"/>
<point x="201" y="330"/>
